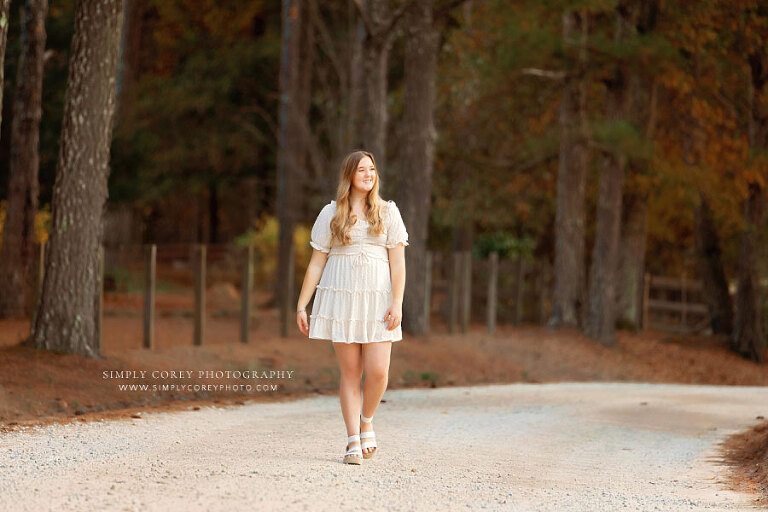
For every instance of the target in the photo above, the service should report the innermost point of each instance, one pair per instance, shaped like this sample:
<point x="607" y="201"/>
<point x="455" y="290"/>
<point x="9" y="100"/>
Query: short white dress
<point x="355" y="289"/>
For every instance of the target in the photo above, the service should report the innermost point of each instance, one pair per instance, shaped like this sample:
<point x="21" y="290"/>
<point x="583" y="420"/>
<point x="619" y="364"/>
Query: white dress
<point x="355" y="289"/>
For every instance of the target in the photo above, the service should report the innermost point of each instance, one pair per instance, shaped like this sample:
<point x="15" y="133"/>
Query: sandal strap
<point x="366" y="420"/>
<point x="366" y="435"/>
<point x="355" y="450"/>
<point x="355" y="437"/>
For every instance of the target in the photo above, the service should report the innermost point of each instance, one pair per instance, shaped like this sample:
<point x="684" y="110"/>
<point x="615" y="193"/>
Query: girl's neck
<point x="356" y="200"/>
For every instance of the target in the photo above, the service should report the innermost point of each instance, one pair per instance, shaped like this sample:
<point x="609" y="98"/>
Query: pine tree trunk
<point x="356" y="86"/>
<point x="65" y="319"/>
<point x="304" y="104"/>
<point x="571" y="185"/>
<point x="711" y="270"/>
<point x="600" y="323"/>
<point x="130" y="54"/>
<point x="16" y="255"/>
<point x="634" y="228"/>
<point x="421" y="48"/>
<point x="749" y="336"/>
<point x="371" y="125"/>
<point x="288" y="148"/>
<point x="632" y="262"/>
<point x="213" y="211"/>
<point x="4" y="6"/>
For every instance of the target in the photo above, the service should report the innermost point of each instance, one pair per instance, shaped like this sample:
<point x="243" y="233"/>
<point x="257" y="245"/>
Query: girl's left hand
<point x="393" y="316"/>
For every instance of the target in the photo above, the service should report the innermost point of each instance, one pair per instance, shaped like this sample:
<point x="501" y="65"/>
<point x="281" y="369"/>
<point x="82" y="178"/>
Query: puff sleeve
<point x="396" y="231"/>
<point x="320" y="237"/>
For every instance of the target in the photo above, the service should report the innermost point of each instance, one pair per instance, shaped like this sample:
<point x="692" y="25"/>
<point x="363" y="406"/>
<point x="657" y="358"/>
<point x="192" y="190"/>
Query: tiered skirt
<point x="352" y="298"/>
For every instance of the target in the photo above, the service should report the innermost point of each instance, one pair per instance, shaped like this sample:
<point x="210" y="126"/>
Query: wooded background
<point x="607" y="139"/>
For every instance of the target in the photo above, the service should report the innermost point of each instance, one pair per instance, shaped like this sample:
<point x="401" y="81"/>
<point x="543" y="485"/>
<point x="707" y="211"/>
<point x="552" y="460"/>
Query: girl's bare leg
<point x="376" y="357"/>
<point x="349" y="357"/>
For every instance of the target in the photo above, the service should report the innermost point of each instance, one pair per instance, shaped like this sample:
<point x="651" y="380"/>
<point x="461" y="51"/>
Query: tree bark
<point x="213" y="211"/>
<point x="571" y="185"/>
<point x="634" y="229"/>
<point x="129" y="66"/>
<point x="356" y="90"/>
<point x="600" y="324"/>
<point x="288" y="146"/>
<point x="370" y="123"/>
<point x="711" y="269"/>
<point x="749" y="336"/>
<point x="17" y="253"/>
<point x="65" y="320"/>
<point x="632" y="261"/>
<point x="303" y="104"/>
<point x="4" y="6"/>
<point x="421" y="48"/>
<point x="710" y="264"/>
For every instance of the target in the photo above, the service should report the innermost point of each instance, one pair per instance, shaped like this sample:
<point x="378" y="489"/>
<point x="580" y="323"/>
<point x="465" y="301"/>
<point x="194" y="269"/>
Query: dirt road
<point x="527" y="447"/>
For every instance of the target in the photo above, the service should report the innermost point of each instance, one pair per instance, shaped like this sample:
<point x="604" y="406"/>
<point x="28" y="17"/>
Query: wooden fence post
<point x="672" y="300"/>
<point x="466" y="303"/>
<point x="646" y="297"/>
<point x="289" y="305"/>
<point x="199" y="334"/>
<point x="684" y="299"/>
<point x="41" y="267"/>
<point x="541" y="290"/>
<point x="150" y="266"/>
<point x="453" y="312"/>
<point x="39" y="276"/>
<point x="493" y="277"/>
<point x="245" y="308"/>
<point x="519" y="289"/>
<point x="427" y="290"/>
<point x="99" y="320"/>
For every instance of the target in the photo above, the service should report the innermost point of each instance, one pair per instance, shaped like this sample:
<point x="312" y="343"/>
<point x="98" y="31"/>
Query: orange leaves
<point x="542" y="123"/>
<point x="755" y="171"/>
<point x="676" y="79"/>
<point x="699" y="31"/>
<point x="183" y="28"/>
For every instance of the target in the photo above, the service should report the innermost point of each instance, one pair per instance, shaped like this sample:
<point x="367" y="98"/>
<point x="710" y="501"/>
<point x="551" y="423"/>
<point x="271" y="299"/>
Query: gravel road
<point x="547" y="447"/>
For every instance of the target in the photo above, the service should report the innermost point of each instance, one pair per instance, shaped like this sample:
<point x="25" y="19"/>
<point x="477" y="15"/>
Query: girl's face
<point x="365" y="175"/>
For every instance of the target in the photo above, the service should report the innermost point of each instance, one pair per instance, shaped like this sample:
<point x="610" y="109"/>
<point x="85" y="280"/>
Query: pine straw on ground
<point x="746" y="455"/>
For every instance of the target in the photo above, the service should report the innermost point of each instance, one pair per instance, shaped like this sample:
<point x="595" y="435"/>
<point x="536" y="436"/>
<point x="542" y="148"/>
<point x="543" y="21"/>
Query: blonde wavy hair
<point x="344" y="219"/>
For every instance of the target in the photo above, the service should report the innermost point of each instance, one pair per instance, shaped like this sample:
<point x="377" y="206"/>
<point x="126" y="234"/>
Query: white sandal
<point x="367" y="435"/>
<point x="355" y="452"/>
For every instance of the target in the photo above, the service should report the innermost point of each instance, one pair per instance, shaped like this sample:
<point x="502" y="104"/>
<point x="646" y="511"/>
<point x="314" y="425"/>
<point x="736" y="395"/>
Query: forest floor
<point x="40" y="388"/>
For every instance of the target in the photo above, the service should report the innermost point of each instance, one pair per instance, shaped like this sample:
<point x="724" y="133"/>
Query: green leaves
<point x="623" y="138"/>
<point x="505" y="244"/>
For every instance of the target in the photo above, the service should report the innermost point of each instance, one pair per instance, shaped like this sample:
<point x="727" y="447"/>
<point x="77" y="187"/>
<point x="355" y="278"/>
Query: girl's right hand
<point x="301" y="321"/>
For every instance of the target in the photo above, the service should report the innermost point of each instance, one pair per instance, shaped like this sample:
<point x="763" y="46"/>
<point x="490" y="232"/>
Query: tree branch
<point x="544" y="73"/>
<point x="446" y="9"/>
<point x="390" y="25"/>
<point x="600" y="146"/>
<point x="254" y="108"/>
<point x="327" y="41"/>
<point x="387" y="26"/>
<point x="364" y="17"/>
<point x="515" y="167"/>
